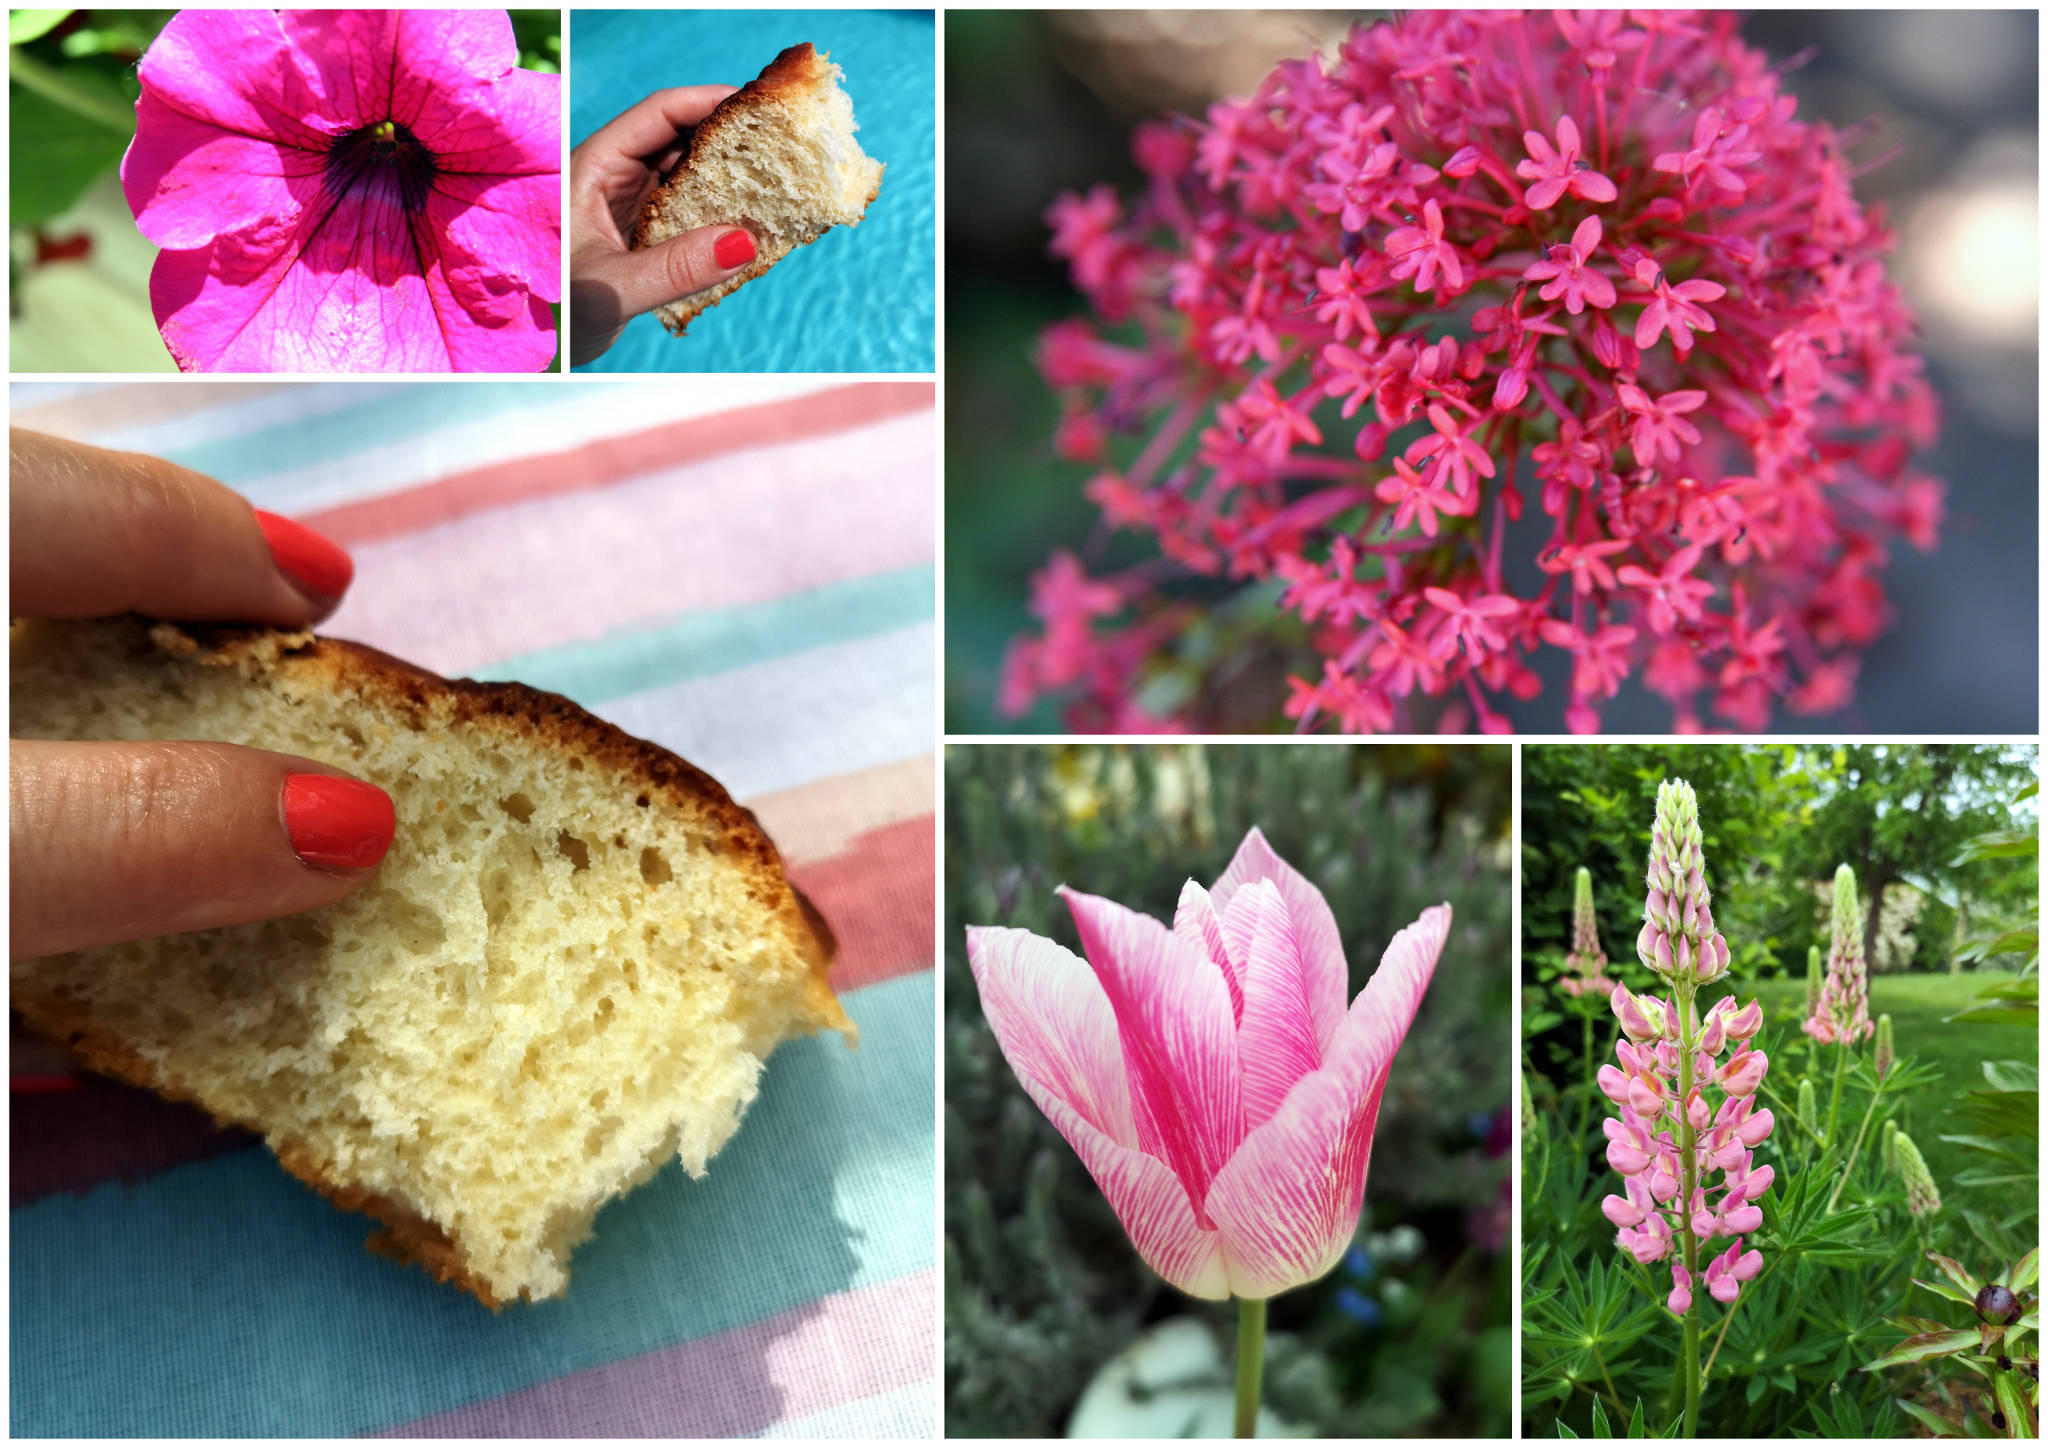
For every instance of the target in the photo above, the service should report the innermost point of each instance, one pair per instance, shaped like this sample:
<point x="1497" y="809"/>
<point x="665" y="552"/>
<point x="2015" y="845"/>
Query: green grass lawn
<point x="1918" y="1005"/>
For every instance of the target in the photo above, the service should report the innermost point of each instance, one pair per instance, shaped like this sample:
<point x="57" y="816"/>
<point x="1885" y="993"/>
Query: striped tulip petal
<point x="1054" y="1025"/>
<point x="1322" y="949"/>
<point x="1276" y="1037"/>
<point x="1195" y="921"/>
<point x="1287" y="1203"/>
<point x="1056" y="1030"/>
<point x="1179" y="1039"/>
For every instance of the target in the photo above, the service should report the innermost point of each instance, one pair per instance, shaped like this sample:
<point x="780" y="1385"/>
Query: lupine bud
<point x="1922" y="1200"/>
<point x="1842" y="1014"/>
<point x="1813" y="977"/>
<point x="1889" y="1135"/>
<point x="1680" y="1300"/>
<point x="1586" y="963"/>
<point x="1809" y="1109"/>
<point x="1679" y="941"/>
<point x="1882" y="1058"/>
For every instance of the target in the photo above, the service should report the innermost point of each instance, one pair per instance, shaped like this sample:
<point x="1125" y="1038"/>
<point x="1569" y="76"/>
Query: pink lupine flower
<point x="1670" y="1138"/>
<point x="348" y="191"/>
<point x="1374" y="236"/>
<point x="1586" y="963"/>
<point x="1556" y="171"/>
<point x="1842" y="1016"/>
<point x="1211" y="1076"/>
<point x="1568" y="266"/>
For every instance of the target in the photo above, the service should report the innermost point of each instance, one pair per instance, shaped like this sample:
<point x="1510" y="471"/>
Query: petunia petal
<point x="1055" y="1028"/>
<point x="1194" y="920"/>
<point x="1180" y="1049"/>
<point x="1276" y="1039"/>
<point x="1287" y="1203"/>
<point x="1054" y="1024"/>
<point x="228" y="131"/>
<point x="1328" y="979"/>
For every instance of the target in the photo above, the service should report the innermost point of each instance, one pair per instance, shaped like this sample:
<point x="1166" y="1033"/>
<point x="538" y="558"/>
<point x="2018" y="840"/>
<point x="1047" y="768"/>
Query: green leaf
<point x="1601" y="1427"/>
<point x="1635" y="1421"/>
<point x="2019" y="1413"/>
<point x="54" y="155"/>
<point x="26" y="25"/>
<point x="1957" y="1273"/>
<point x="1924" y="1346"/>
<point x="1999" y="845"/>
<point x="2012" y="1076"/>
<point x="1996" y="1016"/>
<point x="1563" y="1431"/>
<point x="1943" y="1289"/>
<point x="1928" y="1419"/>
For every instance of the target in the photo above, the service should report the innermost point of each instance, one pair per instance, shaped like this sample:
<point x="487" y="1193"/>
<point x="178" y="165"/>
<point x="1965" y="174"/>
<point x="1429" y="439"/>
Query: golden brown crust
<point x="797" y="69"/>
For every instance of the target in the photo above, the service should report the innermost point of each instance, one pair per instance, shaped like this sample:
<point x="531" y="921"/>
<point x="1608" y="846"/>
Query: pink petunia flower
<point x="1213" y="1077"/>
<point x="348" y="191"/>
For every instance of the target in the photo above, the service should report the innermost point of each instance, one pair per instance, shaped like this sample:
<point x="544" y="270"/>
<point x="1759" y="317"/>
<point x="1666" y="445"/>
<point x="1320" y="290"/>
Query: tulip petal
<point x="1056" y="1030"/>
<point x="1322" y="948"/>
<point x="1276" y="1037"/>
<point x="1287" y="1203"/>
<point x="1195" y="921"/>
<point x="1179" y="1042"/>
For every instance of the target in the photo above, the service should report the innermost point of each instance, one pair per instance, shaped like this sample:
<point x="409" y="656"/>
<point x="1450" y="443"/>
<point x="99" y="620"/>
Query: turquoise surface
<point x="859" y="299"/>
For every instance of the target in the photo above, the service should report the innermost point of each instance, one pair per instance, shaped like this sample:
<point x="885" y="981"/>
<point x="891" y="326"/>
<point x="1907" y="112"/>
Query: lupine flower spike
<point x="1842" y="1015"/>
<point x="1462" y="273"/>
<point x="1586" y="964"/>
<point x="1882" y="1057"/>
<point x="1809" y="1105"/>
<point x="1685" y="1086"/>
<point x="1889" y="1135"/>
<point x="1922" y="1200"/>
<point x="1814" y="976"/>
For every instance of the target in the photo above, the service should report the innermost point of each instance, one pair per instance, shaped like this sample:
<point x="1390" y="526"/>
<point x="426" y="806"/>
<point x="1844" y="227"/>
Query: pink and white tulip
<point x="1211" y="1076"/>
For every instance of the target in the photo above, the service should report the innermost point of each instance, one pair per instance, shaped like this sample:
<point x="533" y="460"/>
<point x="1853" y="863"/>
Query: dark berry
<point x="1996" y="1303"/>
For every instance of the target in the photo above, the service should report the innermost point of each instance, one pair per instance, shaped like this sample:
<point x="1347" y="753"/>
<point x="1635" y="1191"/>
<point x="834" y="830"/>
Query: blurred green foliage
<point x="1042" y="1286"/>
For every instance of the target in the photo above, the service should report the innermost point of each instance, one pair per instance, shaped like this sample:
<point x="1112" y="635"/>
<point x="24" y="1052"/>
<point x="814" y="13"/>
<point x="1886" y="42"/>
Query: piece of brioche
<point x="778" y="157"/>
<point x="568" y="969"/>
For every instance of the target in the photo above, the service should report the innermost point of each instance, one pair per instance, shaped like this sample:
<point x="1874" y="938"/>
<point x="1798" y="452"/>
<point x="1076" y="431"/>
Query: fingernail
<point x="735" y="248"/>
<point x="335" y="823"/>
<point x="316" y="564"/>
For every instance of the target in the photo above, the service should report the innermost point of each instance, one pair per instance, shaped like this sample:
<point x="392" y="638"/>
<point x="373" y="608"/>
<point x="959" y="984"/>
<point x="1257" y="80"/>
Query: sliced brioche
<point x="778" y="157"/>
<point x="568" y="970"/>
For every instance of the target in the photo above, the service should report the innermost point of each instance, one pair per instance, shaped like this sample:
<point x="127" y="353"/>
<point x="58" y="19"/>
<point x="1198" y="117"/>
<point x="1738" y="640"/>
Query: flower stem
<point x="1843" y="1179"/>
<point x="1688" y="1179"/>
<point x="1835" y="1096"/>
<point x="53" y="85"/>
<point x="1251" y="1360"/>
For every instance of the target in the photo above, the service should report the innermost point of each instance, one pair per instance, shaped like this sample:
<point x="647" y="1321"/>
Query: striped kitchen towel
<point x="741" y="571"/>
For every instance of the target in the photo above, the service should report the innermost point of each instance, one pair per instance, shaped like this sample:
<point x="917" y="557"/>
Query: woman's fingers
<point x="679" y="266"/>
<point x="94" y="532"/>
<point x="651" y="127"/>
<point x="118" y="842"/>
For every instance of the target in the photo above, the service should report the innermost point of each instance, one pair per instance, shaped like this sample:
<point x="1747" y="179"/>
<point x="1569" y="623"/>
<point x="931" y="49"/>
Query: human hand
<point x="120" y="841"/>
<point x="611" y="176"/>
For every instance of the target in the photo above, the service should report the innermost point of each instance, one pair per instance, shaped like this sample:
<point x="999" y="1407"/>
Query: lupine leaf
<point x="1952" y="1293"/>
<point x="1928" y="1418"/>
<point x="2012" y="1401"/>
<point x="1601" y="1427"/>
<point x="1957" y="1273"/>
<point x="2021" y="1274"/>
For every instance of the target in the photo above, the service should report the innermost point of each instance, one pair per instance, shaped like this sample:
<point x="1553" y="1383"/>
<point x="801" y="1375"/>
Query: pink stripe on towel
<point x="847" y="1347"/>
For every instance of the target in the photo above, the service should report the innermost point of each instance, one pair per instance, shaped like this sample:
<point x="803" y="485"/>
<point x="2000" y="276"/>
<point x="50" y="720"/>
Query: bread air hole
<point x="654" y="867"/>
<point x="575" y="850"/>
<point x="518" y="806"/>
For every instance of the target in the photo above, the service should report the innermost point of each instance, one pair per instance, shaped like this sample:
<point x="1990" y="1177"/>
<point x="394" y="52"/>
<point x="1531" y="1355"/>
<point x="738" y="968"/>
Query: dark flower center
<point x="385" y="154"/>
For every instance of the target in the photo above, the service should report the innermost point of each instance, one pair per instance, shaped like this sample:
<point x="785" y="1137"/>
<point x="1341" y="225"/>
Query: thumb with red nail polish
<point x="127" y="841"/>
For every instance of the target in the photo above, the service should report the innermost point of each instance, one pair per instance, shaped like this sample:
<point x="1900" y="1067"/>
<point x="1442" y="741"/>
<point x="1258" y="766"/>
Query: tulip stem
<point x="1251" y="1361"/>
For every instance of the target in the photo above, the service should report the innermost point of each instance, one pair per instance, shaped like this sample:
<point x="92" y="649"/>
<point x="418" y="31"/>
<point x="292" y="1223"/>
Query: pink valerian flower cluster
<point x="1643" y="1142"/>
<point x="1483" y="278"/>
<point x="1671" y="1137"/>
<point x="1842" y="1014"/>
<point x="1586" y="963"/>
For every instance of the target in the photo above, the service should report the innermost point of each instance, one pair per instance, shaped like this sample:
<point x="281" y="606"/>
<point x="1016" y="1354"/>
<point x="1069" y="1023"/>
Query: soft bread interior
<point x="559" y="978"/>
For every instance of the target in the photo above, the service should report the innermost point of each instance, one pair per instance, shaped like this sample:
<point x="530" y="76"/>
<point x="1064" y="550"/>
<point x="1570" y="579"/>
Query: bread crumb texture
<point x="568" y="970"/>
<point x="778" y="157"/>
